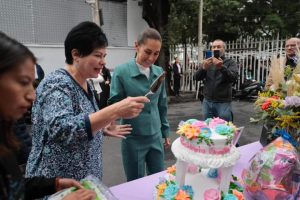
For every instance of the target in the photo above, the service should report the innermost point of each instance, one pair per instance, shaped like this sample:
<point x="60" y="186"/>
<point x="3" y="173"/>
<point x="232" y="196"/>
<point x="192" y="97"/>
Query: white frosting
<point x="204" y="160"/>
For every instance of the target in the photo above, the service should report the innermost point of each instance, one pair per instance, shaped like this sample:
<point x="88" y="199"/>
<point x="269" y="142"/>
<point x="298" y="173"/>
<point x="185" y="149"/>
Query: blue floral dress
<point x="62" y="141"/>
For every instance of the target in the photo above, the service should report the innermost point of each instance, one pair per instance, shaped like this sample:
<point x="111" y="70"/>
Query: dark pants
<point x="176" y="84"/>
<point x="217" y="109"/>
<point x="139" y="152"/>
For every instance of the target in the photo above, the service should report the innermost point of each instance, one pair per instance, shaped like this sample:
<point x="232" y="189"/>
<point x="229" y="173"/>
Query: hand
<point x="167" y="143"/>
<point x="81" y="194"/>
<point x="106" y="82"/>
<point x="64" y="183"/>
<point x="131" y="106"/>
<point x="119" y="131"/>
<point x="207" y="63"/>
<point x="218" y="62"/>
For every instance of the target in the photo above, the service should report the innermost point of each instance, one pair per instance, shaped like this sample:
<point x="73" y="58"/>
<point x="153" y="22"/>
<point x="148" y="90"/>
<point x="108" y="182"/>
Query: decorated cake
<point x="206" y="154"/>
<point x="168" y="189"/>
<point x="208" y="143"/>
<point x="213" y="136"/>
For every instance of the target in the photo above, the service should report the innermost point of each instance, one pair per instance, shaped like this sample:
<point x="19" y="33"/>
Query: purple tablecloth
<point x="142" y="189"/>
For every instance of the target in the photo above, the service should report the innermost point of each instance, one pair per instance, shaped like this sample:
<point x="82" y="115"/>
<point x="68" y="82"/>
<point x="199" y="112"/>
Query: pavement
<point x="180" y="108"/>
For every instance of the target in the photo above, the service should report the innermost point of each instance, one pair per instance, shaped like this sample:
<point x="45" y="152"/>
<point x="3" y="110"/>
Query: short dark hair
<point x="12" y="53"/>
<point x="85" y="38"/>
<point x="148" y="33"/>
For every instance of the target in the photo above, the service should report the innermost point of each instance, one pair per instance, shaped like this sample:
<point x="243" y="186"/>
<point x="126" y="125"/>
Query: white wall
<point x="52" y="57"/>
<point x="118" y="55"/>
<point x="49" y="57"/>
<point x="135" y="22"/>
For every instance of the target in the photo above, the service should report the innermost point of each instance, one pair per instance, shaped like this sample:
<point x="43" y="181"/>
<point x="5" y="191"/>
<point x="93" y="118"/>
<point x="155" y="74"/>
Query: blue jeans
<point x="217" y="109"/>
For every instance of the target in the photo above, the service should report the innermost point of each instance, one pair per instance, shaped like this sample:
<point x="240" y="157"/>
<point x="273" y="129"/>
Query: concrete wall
<point x="42" y="25"/>
<point x="52" y="57"/>
<point x="135" y="22"/>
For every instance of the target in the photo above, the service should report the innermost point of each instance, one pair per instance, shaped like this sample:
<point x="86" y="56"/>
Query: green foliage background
<point x="232" y="19"/>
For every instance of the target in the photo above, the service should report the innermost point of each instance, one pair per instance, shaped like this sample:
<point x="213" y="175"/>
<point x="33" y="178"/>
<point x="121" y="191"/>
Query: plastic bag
<point x="90" y="182"/>
<point x="273" y="172"/>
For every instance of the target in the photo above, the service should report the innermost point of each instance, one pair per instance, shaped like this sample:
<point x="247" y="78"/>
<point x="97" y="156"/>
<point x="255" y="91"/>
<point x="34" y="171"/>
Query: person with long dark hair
<point x="17" y="94"/>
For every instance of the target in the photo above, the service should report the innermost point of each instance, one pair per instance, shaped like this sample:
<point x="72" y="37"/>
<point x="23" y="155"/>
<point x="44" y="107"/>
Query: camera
<point x="216" y="53"/>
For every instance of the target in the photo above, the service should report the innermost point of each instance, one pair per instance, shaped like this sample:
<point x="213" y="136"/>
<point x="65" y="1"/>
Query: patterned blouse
<point x="62" y="141"/>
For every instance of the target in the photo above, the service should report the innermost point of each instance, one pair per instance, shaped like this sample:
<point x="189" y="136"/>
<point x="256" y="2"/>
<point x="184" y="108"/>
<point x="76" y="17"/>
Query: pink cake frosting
<point x="213" y="136"/>
<point x="212" y="194"/>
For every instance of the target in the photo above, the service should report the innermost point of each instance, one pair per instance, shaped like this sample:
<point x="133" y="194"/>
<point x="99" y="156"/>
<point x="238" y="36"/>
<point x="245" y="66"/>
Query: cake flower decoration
<point x="239" y="195"/>
<point x="205" y="132"/>
<point x="230" y="197"/>
<point x="182" y="195"/>
<point x="171" y="191"/>
<point x="188" y="189"/>
<point x="191" y="121"/>
<point x="160" y="189"/>
<point x="171" y="170"/>
<point x="224" y="129"/>
<point x="215" y="121"/>
<point x="200" y="124"/>
<point x="189" y="131"/>
<point x="212" y="194"/>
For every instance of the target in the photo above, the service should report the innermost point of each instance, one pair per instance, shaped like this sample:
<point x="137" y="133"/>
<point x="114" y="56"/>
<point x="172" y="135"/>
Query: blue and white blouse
<point x="62" y="141"/>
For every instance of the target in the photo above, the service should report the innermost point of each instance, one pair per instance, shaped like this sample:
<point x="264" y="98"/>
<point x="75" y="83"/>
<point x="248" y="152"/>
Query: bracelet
<point x="57" y="186"/>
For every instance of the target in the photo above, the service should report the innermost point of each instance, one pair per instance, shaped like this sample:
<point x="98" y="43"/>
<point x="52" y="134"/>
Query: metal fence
<point x="253" y="58"/>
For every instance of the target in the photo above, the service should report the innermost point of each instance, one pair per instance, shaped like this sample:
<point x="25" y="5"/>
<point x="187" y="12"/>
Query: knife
<point x="156" y="84"/>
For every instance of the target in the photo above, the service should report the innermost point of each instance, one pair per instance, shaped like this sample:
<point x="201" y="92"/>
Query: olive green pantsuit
<point x="143" y="148"/>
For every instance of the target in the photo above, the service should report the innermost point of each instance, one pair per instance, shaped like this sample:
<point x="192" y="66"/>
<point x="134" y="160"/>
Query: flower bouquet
<point x="279" y="106"/>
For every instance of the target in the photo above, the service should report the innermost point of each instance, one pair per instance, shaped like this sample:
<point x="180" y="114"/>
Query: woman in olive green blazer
<point x="144" y="144"/>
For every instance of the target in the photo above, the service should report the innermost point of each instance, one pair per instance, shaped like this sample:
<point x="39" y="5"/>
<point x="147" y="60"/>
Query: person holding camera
<point x="218" y="74"/>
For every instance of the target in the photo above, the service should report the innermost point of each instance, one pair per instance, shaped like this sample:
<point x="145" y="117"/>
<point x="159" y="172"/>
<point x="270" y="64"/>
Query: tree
<point x="232" y="19"/>
<point x="220" y="19"/>
<point x="183" y="22"/>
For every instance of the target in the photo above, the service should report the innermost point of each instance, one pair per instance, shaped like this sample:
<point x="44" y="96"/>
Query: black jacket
<point x="218" y="82"/>
<point x="176" y="71"/>
<point x="14" y="186"/>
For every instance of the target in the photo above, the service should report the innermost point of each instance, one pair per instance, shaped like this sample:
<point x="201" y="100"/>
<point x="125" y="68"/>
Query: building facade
<point x="42" y="25"/>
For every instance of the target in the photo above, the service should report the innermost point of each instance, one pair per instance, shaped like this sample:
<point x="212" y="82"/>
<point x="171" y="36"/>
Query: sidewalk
<point x="184" y="97"/>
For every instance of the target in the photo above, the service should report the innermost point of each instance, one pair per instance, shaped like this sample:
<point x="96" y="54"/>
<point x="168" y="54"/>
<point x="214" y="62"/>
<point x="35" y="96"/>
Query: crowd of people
<point x="69" y="119"/>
